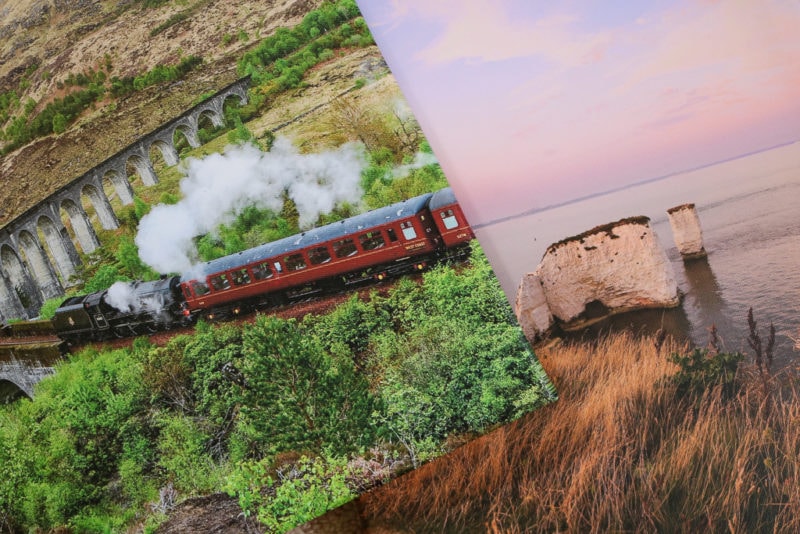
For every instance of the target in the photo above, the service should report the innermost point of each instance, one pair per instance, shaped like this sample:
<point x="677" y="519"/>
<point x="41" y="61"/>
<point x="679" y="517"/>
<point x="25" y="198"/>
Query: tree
<point x="354" y="121"/>
<point x="127" y="255"/>
<point x="59" y="123"/>
<point x="299" y="397"/>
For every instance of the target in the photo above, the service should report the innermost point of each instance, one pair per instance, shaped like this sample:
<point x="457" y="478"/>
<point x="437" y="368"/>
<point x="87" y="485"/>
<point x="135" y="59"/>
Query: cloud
<point x="486" y="30"/>
<point x="600" y="93"/>
<point x="743" y="38"/>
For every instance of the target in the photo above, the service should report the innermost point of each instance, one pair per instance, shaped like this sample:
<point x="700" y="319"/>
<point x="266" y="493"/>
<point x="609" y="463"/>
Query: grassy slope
<point x="77" y="37"/>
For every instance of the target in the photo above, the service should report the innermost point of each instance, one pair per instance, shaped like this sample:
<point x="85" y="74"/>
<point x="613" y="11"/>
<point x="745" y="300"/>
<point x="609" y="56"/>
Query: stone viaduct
<point x="19" y="376"/>
<point x="39" y="257"/>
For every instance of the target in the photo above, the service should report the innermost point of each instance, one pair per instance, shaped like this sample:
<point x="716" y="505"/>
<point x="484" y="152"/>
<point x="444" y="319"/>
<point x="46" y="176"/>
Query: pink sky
<point x="528" y="104"/>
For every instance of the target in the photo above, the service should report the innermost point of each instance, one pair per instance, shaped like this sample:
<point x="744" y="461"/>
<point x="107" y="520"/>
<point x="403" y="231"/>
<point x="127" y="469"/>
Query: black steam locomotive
<point x="400" y="238"/>
<point x="151" y="306"/>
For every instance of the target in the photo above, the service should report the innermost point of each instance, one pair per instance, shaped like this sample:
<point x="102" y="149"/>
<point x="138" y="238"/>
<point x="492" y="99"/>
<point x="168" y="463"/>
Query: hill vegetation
<point x="88" y="73"/>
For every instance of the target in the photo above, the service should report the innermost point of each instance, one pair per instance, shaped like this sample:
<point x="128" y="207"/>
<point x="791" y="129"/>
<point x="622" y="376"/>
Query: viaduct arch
<point x="39" y="258"/>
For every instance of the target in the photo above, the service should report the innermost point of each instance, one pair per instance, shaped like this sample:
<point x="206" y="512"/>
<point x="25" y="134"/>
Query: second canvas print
<point x="633" y="173"/>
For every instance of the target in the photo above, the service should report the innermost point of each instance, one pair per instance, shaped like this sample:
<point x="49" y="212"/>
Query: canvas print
<point x="237" y="288"/>
<point x="633" y="174"/>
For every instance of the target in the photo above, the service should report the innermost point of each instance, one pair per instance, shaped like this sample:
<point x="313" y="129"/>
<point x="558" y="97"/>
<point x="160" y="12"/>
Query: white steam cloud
<point x="220" y="186"/>
<point x="122" y="296"/>
<point x="421" y="159"/>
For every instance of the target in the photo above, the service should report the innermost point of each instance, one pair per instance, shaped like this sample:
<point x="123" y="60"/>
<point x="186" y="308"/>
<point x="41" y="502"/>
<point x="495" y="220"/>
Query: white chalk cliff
<point x="619" y="265"/>
<point x="531" y="307"/>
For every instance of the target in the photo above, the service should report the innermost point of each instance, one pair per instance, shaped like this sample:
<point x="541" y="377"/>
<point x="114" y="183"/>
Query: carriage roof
<point x="442" y="197"/>
<point x="329" y="232"/>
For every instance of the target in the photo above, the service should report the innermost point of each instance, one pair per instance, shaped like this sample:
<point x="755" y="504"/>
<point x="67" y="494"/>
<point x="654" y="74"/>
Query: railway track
<point x="41" y="349"/>
<point x="23" y="338"/>
<point x="28" y="341"/>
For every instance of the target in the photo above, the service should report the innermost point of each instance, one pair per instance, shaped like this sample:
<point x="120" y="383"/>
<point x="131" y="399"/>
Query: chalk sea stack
<point x="686" y="231"/>
<point x="613" y="268"/>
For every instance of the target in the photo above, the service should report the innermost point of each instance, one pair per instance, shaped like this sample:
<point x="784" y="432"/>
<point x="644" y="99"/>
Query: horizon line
<point x="533" y="211"/>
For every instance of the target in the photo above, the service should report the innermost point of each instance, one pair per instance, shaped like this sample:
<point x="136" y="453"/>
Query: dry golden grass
<point x="620" y="451"/>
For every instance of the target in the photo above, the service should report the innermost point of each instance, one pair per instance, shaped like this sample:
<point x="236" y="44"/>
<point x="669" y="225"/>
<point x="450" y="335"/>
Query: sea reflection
<point x="704" y="301"/>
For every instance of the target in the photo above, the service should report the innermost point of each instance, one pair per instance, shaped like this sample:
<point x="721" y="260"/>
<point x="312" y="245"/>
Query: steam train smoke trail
<point x="121" y="295"/>
<point x="421" y="159"/>
<point x="217" y="188"/>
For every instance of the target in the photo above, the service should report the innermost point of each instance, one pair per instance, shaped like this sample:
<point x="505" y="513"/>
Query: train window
<point x="295" y="262"/>
<point x="408" y="230"/>
<point x="200" y="288"/>
<point x="262" y="271"/>
<point x="344" y="248"/>
<point x="392" y="234"/>
<point x="240" y="277"/>
<point x="371" y="240"/>
<point x="187" y="292"/>
<point x="278" y="268"/>
<point x="449" y="219"/>
<point x="319" y="255"/>
<point x="220" y="282"/>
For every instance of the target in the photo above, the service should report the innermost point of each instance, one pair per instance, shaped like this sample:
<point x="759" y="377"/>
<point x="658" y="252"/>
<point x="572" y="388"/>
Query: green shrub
<point x="291" y="494"/>
<point x="140" y="208"/>
<point x="351" y="325"/>
<point x="65" y="445"/>
<point x="105" y="278"/>
<point x="169" y="198"/>
<point x="702" y="369"/>
<point x="127" y="256"/>
<point x="48" y="309"/>
<point x="452" y="376"/>
<point x="300" y="395"/>
<point x="181" y="453"/>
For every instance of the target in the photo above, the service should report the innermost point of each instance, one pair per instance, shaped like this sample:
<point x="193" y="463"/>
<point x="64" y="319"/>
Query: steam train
<point x="400" y="238"/>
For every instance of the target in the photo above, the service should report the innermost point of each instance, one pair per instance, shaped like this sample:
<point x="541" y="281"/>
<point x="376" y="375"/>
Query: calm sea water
<point x="749" y="211"/>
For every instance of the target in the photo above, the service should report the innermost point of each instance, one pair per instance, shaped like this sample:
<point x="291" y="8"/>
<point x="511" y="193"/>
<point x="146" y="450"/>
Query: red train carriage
<point x="384" y="242"/>
<point x="450" y="222"/>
